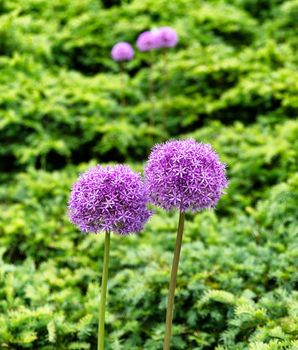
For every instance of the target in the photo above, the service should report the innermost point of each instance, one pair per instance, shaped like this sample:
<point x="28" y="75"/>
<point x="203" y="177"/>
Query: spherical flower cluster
<point x="163" y="37"/>
<point x="186" y="175"/>
<point x="167" y="37"/>
<point x="122" y="51"/>
<point x="148" y="40"/>
<point x="111" y="198"/>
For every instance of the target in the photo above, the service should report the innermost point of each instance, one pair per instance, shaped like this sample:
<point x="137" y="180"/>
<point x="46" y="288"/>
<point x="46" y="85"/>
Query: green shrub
<point x="61" y="92"/>
<point x="236" y="286"/>
<point x="238" y="270"/>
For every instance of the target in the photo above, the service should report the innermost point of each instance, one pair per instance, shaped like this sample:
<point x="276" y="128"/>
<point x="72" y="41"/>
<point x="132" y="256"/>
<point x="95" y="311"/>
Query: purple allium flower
<point x="109" y="198"/>
<point x="185" y="175"/>
<point x="148" y="40"/>
<point x="122" y="51"/>
<point x="167" y="37"/>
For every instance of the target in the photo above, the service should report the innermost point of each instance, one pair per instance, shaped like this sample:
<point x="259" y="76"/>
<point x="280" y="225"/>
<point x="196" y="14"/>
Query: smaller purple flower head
<point x="186" y="175"/>
<point x="112" y="198"/>
<point x="167" y="37"/>
<point x="122" y="51"/>
<point x="148" y="40"/>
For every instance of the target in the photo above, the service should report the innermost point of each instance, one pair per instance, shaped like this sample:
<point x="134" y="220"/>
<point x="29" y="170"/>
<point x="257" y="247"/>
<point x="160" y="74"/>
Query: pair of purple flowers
<point x="179" y="174"/>
<point x="186" y="175"/>
<point x="164" y="37"/>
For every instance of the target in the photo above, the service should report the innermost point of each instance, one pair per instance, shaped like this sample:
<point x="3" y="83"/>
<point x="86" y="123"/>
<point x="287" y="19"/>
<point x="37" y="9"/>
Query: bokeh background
<point x="232" y="82"/>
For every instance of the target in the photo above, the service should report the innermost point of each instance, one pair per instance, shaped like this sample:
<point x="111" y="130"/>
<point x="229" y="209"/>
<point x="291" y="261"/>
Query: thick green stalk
<point x="170" y="308"/>
<point x="103" y="294"/>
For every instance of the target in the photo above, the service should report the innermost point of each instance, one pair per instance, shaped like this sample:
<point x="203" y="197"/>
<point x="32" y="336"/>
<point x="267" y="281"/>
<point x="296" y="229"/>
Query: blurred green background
<point x="233" y="82"/>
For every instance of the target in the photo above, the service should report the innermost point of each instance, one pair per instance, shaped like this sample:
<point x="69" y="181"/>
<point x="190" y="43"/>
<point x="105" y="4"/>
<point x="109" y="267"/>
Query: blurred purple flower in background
<point x="111" y="198"/>
<point x="167" y="37"/>
<point x="185" y="175"/>
<point x="148" y="40"/>
<point x="122" y="51"/>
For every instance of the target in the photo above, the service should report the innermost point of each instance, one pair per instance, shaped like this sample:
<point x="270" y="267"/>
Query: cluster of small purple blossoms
<point x="147" y="41"/>
<point x="186" y="175"/>
<point x="167" y="37"/>
<point x="112" y="198"/>
<point x="163" y="37"/>
<point x="122" y="51"/>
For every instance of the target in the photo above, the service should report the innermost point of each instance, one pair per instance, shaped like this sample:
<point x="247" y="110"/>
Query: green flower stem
<point x="103" y="294"/>
<point x="170" y="308"/>
<point x="165" y="97"/>
<point x="151" y="89"/>
<point x="123" y="83"/>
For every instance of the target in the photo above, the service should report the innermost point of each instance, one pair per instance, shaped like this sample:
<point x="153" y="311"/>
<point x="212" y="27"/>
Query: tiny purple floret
<point x="167" y="37"/>
<point x="122" y="51"/>
<point x="186" y="175"/>
<point x="112" y="198"/>
<point x="148" y="40"/>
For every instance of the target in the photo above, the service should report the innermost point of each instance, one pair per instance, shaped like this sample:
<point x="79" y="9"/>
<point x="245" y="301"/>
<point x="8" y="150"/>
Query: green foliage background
<point x="233" y="82"/>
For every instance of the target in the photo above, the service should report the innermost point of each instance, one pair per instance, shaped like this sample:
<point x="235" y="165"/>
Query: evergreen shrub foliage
<point x="62" y="106"/>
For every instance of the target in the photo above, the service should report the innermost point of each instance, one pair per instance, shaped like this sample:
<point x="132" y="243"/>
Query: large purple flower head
<point x="148" y="40"/>
<point x="122" y="51"/>
<point x="167" y="37"/>
<point x="111" y="198"/>
<point x="186" y="175"/>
